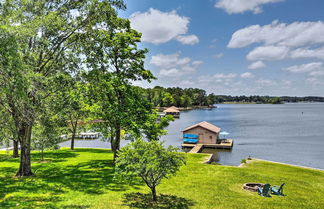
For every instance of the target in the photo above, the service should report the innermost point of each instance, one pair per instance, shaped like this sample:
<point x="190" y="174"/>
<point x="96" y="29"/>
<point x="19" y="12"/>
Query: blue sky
<point x="235" y="47"/>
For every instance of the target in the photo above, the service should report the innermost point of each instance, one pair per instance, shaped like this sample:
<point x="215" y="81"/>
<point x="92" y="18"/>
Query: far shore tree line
<point x="195" y="97"/>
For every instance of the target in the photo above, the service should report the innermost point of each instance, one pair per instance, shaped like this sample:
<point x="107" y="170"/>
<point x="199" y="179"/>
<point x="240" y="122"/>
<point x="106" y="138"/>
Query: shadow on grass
<point x="52" y="180"/>
<point x="30" y="202"/>
<point x="92" y="150"/>
<point x="8" y="158"/>
<point x="54" y="156"/>
<point x="144" y="201"/>
<point x="92" y="177"/>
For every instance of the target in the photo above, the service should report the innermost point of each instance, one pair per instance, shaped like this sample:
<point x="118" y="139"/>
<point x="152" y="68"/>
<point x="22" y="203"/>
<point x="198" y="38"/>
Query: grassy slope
<point x="84" y="179"/>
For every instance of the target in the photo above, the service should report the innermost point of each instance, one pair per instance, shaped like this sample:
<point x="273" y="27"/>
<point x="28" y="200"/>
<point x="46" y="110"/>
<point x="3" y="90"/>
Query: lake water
<point x="289" y="133"/>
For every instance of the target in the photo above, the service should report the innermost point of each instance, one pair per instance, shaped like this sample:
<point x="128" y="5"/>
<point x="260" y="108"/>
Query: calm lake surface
<point x="288" y="133"/>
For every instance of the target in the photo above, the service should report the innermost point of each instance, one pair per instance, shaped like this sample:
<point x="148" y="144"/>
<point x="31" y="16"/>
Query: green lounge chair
<point x="278" y="190"/>
<point x="265" y="190"/>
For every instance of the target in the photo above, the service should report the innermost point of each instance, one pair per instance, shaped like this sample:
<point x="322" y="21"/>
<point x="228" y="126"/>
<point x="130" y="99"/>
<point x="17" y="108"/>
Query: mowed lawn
<point x="84" y="178"/>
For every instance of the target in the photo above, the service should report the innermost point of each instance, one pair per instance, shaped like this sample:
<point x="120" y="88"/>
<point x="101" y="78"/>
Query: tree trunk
<point x="25" y="139"/>
<point x="72" y="140"/>
<point x="113" y="148"/>
<point x="15" y="149"/>
<point x="154" y="194"/>
<point x="117" y="142"/>
<point x="74" y="130"/>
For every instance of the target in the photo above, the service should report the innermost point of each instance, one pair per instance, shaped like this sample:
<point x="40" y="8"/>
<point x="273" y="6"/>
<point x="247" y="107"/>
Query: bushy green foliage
<point x="164" y="97"/>
<point x="275" y="100"/>
<point x="154" y="127"/>
<point x="149" y="161"/>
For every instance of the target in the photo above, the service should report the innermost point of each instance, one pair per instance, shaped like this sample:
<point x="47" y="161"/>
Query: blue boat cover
<point x="190" y="141"/>
<point x="190" y="136"/>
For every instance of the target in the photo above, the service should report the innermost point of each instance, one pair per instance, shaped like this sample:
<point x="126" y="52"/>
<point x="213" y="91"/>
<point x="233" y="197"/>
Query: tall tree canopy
<point x="119" y="62"/>
<point x="43" y="42"/>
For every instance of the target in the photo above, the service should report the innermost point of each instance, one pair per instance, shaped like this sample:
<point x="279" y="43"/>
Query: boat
<point x="190" y="141"/>
<point x="190" y="136"/>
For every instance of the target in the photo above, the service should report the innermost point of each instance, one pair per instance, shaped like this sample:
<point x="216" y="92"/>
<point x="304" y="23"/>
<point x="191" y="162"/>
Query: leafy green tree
<point x="8" y="133"/>
<point x="168" y="99"/>
<point x="211" y="99"/>
<point x="185" y="101"/>
<point x="75" y="108"/>
<point x="158" y="96"/>
<point x="275" y="100"/>
<point x="154" y="126"/>
<point x="119" y="62"/>
<point x="42" y="43"/>
<point x="150" y="161"/>
<point x="45" y="136"/>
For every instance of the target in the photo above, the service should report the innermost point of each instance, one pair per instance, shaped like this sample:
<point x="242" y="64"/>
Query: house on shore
<point x="202" y="133"/>
<point x="174" y="111"/>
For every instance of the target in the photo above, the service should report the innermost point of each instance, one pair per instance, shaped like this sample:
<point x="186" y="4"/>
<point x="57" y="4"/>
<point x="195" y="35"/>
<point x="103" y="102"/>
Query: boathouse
<point x="203" y="133"/>
<point x="172" y="111"/>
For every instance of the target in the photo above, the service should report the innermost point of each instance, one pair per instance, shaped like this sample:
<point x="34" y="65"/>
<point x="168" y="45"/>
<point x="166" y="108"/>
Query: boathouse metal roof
<point x="205" y="125"/>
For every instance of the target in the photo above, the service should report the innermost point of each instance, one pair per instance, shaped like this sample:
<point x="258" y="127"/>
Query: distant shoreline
<point x="215" y="106"/>
<point x="270" y="103"/>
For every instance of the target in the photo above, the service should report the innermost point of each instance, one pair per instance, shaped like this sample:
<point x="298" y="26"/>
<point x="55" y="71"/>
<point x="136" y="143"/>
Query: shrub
<point x="150" y="161"/>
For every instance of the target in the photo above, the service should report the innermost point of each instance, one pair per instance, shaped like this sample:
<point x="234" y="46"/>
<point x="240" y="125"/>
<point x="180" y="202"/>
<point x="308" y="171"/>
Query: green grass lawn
<point x="85" y="179"/>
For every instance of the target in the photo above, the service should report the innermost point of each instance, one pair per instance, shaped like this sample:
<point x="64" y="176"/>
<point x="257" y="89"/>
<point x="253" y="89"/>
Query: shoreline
<point x="209" y="156"/>
<point x="270" y="161"/>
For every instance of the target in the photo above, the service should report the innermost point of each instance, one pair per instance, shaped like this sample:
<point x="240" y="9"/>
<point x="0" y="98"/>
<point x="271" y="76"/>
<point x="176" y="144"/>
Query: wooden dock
<point x="196" y="148"/>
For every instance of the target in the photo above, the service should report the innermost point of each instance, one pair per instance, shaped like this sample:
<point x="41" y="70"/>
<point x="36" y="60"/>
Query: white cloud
<point x="308" y="53"/>
<point x="169" y="60"/>
<point x="247" y="75"/>
<point x="311" y="80"/>
<point x="219" y="55"/>
<point x="224" y="79"/>
<point x="268" y="53"/>
<point x="170" y="72"/>
<point x="316" y="73"/>
<point x="172" y="65"/>
<point x="241" y="6"/>
<point x="304" y="68"/>
<point x="280" y="41"/>
<point x="186" y="83"/>
<point x="160" y="27"/>
<point x="197" y="62"/>
<point x="256" y="65"/>
<point x="266" y="82"/>
<point x="293" y="35"/>
<point x="224" y="76"/>
<point x="315" y="82"/>
<point x="188" y="39"/>
<point x="286" y="83"/>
